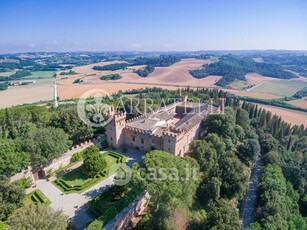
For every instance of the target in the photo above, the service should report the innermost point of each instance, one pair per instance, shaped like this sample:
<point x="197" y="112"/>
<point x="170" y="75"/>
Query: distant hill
<point x="235" y="68"/>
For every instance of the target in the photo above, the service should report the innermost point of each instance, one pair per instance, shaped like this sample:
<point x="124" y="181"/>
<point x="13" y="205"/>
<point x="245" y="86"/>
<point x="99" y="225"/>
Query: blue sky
<point x="152" y="25"/>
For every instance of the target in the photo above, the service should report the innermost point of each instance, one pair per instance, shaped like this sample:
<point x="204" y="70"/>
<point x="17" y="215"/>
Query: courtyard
<point x="76" y="204"/>
<point x="77" y="181"/>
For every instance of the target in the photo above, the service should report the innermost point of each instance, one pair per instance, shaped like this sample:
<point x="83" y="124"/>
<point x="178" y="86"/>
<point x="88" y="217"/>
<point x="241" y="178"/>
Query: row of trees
<point x="112" y="67"/>
<point x="301" y="93"/>
<point x="282" y="190"/>
<point x="111" y="77"/>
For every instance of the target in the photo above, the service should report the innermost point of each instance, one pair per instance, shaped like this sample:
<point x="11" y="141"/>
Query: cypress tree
<point x="256" y="111"/>
<point x="289" y="143"/>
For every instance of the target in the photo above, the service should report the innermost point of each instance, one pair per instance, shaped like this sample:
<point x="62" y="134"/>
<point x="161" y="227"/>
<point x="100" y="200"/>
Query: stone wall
<point x="24" y="173"/>
<point x="66" y="157"/>
<point x="56" y="163"/>
<point x="124" y="218"/>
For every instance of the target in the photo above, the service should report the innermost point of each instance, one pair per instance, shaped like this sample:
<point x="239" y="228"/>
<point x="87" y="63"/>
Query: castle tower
<point x="115" y="127"/>
<point x="169" y="142"/>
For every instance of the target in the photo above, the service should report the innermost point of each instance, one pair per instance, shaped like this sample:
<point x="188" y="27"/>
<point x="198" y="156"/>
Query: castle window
<point x="111" y="138"/>
<point x="169" y="140"/>
<point x="142" y="140"/>
<point x="133" y="138"/>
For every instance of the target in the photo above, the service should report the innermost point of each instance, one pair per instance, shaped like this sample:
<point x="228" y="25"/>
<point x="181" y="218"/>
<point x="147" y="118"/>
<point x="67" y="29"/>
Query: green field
<point x="281" y="88"/>
<point x="77" y="182"/>
<point x="6" y="74"/>
<point x="36" y="197"/>
<point x="240" y="85"/>
<point x="40" y="75"/>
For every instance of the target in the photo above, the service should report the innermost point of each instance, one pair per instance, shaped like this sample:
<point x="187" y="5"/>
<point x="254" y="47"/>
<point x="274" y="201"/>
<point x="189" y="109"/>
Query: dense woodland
<point x="33" y="135"/>
<point x="235" y="68"/>
<point x="228" y="148"/>
<point x="144" y="72"/>
<point x="296" y="63"/>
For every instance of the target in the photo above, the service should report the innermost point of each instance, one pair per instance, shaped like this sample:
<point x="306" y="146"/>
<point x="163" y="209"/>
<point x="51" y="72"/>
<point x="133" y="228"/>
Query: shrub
<point x="78" y="156"/>
<point x="94" y="164"/>
<point x="25" y="182"/>
<point x="95" y="225"/>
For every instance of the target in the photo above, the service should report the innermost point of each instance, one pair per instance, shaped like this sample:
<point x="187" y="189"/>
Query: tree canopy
<point x="38" y="217"/>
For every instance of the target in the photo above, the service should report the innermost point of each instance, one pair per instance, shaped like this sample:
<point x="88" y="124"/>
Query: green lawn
<point x="77" y="182"/>
<point x="283" y="88"/>
<point x="36" y="197"/>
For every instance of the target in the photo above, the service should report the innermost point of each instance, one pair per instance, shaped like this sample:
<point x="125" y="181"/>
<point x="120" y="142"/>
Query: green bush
<point x="78" y="156"/>
<point x="25" y="182"/>
<point x="95" y="225"/>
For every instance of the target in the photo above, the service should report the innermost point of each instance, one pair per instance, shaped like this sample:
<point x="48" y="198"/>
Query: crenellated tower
<point x="115" y="127"/>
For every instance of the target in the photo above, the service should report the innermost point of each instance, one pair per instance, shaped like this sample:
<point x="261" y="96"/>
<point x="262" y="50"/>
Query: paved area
<point x="251" y="195"/>
<point x="75" y="205"/>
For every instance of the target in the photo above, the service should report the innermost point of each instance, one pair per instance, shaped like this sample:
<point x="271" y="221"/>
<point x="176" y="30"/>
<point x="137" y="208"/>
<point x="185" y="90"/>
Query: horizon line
<point x="158" y="51"/>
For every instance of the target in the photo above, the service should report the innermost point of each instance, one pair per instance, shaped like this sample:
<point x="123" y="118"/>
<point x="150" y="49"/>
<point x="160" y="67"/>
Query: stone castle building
<point x="171" y="128"/>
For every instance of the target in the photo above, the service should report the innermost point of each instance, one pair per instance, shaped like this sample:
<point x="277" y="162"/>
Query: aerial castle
<point x="171" y="128"/>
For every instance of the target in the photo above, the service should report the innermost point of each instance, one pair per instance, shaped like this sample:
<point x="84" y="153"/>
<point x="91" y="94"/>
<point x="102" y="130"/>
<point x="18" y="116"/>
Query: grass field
<point x="40" y="75"/>
<point x="240" y="85"/>
<point x="36" y="197"/>
<point x="6" y="74"/>
<point x="77" y="182"/>
<point x="280" y="87"/>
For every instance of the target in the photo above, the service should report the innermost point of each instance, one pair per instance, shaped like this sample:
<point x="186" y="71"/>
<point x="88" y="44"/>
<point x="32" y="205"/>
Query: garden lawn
<point x="36" y="197"/>
<point x="77" y="182"/>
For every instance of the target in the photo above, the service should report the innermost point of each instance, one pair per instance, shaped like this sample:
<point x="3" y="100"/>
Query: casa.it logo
<point x="91" y="109"/>
<point x="122" y="174"/>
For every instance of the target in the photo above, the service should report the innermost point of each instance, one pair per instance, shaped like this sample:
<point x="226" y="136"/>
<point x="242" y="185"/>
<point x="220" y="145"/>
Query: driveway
<point x="74" y="205"/>
<point x="251" y="195"/>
